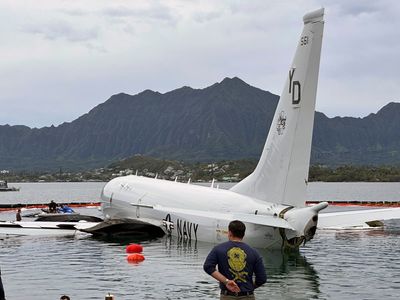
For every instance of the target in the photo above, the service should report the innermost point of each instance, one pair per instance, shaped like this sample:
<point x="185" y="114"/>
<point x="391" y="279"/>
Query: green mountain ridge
<point x="227" y="120"/>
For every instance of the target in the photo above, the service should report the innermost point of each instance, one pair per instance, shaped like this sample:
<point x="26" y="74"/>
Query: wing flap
<point x="358" y="218"/>
<point x="263" y="220"/>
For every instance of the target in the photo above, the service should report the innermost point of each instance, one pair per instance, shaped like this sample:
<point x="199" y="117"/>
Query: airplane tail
<point x="282" y="172"/>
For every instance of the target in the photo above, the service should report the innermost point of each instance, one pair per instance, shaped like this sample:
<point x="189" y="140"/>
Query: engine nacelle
<point x="304" y="220"/>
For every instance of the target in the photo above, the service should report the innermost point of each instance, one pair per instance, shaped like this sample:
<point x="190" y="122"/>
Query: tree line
<point x="350" y="173"/>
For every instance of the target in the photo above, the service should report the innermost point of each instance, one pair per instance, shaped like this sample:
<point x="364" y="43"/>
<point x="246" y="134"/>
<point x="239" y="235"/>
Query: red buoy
<point x="135" y="257"/>
<point x="134" y="248"/>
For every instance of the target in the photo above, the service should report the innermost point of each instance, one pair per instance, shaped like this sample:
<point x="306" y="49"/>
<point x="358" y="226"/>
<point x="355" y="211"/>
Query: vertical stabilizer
<point x="282" y="172"/>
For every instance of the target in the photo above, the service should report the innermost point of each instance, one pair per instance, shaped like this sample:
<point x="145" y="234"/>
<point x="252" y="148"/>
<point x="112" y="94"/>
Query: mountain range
<point x="227" y="120"/>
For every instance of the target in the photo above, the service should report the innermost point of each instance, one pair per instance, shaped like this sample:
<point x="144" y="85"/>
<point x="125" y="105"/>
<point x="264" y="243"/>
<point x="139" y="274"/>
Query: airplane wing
<point x="247" y="218"/>
<point x="358" y="218"/>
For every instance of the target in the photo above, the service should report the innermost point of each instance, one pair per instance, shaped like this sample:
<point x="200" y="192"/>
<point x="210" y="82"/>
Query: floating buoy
<point x="134" y="248"/>
<point x="135" y="257"/>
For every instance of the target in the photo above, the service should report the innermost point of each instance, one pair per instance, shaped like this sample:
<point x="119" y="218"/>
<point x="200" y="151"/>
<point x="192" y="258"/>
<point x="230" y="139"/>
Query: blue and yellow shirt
<point x="239" y="262"/>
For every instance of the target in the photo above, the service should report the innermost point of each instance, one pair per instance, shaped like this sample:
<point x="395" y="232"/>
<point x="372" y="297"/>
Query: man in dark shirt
<point x="18" y="215"/>
<point x="237" y="262"/>
<point x="52" y="207"/>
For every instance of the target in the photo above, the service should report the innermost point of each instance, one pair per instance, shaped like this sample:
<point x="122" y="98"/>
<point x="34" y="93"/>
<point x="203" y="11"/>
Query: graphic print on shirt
<point x="237" y="262"/>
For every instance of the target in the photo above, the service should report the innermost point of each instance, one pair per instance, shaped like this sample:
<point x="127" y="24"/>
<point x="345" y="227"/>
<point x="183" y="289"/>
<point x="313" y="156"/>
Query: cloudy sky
<point x="62" y="58"/>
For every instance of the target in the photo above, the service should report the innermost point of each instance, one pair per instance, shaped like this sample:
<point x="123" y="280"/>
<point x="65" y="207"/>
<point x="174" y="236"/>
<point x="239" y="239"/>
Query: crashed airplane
<point x="270" y="201"/>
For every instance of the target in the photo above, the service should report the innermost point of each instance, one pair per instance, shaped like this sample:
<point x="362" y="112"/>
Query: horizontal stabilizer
<point x="358" y="218"/>
<point x="264" y="220"/>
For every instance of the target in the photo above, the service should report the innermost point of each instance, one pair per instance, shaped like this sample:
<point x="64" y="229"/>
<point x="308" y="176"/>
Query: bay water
<point x="357" y="264"/>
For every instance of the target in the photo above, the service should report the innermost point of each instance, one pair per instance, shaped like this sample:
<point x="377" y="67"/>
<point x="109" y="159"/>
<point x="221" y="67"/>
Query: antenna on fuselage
<point x="212" y="183"/>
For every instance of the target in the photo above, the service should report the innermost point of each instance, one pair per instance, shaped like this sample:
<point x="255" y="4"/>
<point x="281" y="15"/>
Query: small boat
<point x="63" y="214"/>
<point x="4" y="187"/>
<point x="66" y="217"/>
<point x="61" y="223"/>
<point x="22" y="228"/>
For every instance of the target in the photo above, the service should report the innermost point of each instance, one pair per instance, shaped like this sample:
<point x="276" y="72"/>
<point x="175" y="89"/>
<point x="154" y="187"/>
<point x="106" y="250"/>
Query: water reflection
<point x="182" y="246"/>
<point x="290" y="275"/>
<point x="335" y="265"/>
<point x="88" y="268"/>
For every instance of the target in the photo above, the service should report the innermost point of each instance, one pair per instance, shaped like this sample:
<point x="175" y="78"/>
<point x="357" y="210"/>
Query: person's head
<point x="237" y="229"/>
<point x="65" y="297"/>
<point x="19" y="210"/>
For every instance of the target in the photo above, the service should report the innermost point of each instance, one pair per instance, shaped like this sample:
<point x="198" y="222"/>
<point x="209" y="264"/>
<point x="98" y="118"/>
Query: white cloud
<point x="61" y="58"/>
<point x="62" y="30"/>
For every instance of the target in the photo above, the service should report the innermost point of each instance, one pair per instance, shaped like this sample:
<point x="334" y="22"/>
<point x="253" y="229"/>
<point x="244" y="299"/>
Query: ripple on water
<point x="335" y="265"/>
<point x="357" y="264"/>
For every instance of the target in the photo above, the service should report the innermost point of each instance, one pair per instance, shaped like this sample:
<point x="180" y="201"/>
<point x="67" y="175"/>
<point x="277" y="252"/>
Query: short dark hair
<point x="237" y="228"/>
<point x="65" y="297"/>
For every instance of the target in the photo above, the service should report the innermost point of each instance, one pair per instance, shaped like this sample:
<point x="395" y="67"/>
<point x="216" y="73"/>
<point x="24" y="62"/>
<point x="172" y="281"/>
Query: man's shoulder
<point x="248" y="249"/>
<point x="223" y="245"/>
<point x="230" y="244"/>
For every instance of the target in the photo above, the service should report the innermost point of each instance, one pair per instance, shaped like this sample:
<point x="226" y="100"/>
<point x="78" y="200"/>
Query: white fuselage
<point x="132" y="197"/>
